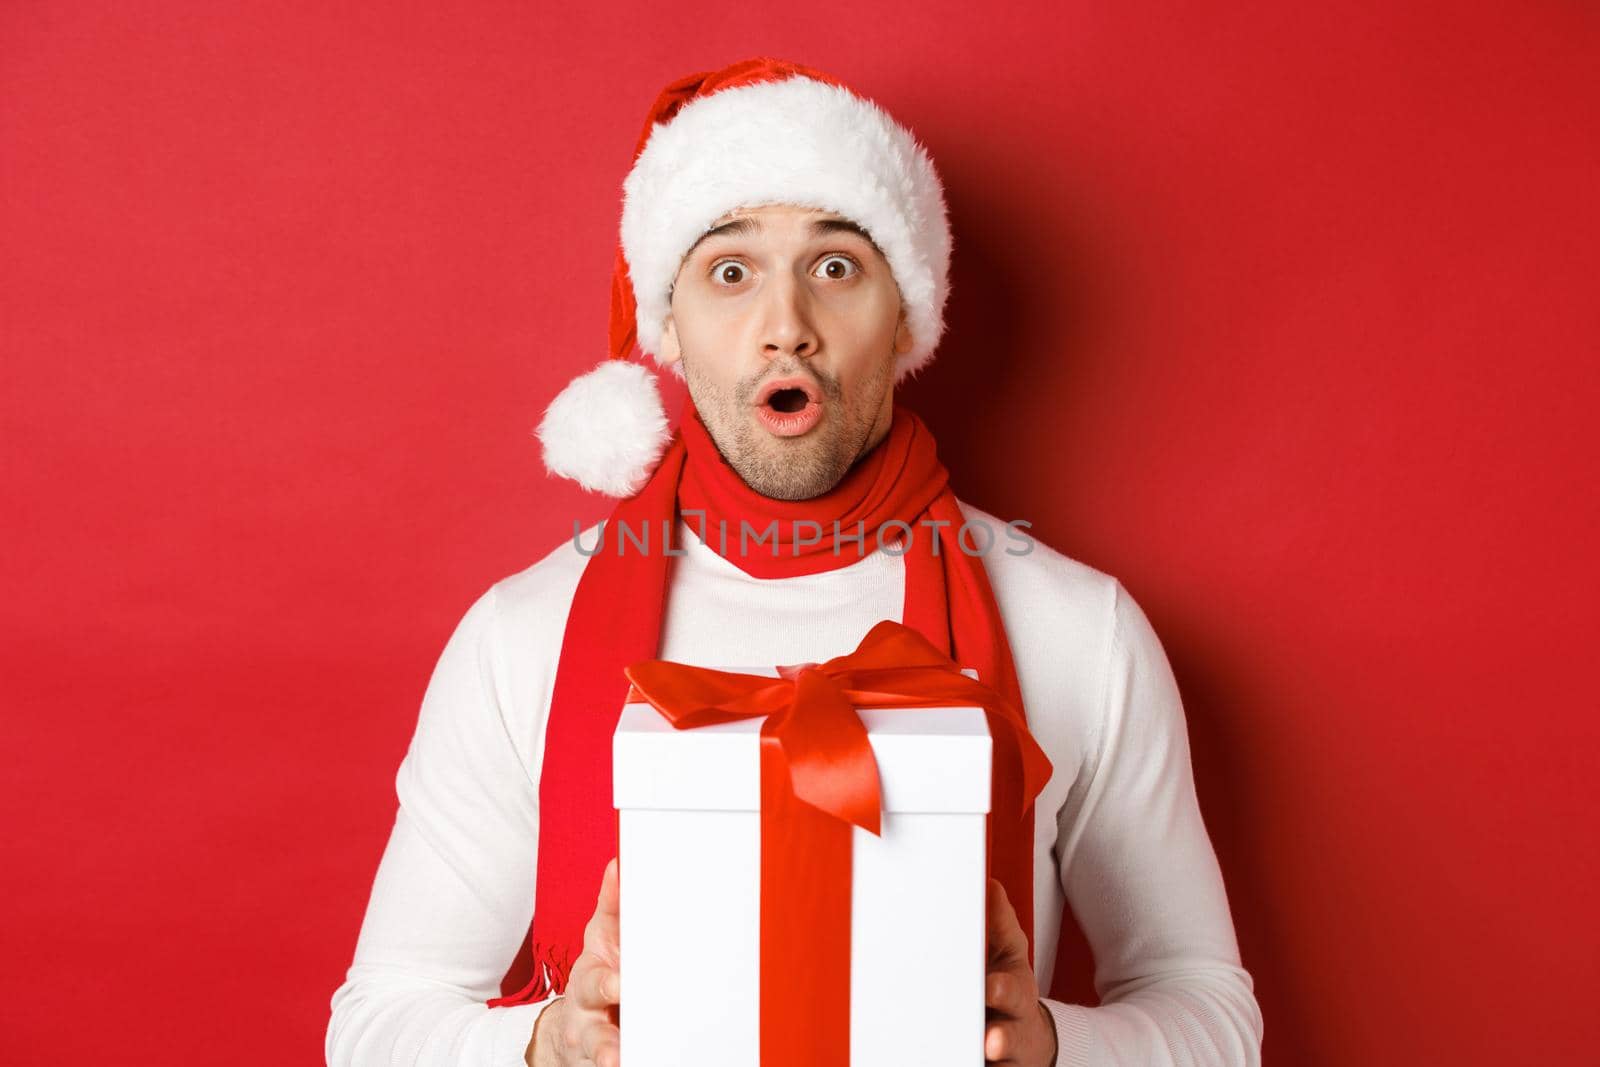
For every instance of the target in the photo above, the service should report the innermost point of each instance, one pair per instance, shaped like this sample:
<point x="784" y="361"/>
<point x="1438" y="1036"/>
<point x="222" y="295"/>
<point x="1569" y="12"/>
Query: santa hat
<point x="761" y="131"/>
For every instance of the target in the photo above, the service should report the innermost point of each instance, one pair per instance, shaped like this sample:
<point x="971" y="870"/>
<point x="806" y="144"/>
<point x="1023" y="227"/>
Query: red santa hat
<point x="761" y="131"/>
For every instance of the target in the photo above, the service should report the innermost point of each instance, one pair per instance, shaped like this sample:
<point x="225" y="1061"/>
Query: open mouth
<point x="788" y="400"/>
<point x="789" y="407"/>
<point x="788" y="395"/>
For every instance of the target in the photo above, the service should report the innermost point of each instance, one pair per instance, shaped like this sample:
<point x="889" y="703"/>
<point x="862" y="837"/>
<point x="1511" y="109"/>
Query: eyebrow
<point x="747" y="226"/>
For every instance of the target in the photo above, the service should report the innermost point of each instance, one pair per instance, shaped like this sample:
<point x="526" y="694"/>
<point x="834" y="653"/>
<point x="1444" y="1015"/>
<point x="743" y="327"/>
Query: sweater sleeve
<point x="453" y="894"/>
<point x="1142" y="878"/>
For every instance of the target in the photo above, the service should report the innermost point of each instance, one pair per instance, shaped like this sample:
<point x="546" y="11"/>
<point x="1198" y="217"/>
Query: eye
<point x="728" y="272"/>
<point x="839" y="267"/>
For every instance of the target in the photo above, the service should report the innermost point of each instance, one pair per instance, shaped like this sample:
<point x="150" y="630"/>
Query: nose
<point x="786" y="327"/>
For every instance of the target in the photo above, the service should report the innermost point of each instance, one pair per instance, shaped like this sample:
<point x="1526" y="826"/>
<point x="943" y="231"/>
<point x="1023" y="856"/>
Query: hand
<point x="1020" y="1028"/>
<point x="582" y="1027"/>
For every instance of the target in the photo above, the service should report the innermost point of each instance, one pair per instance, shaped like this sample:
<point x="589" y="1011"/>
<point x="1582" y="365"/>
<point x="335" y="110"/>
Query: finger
<point x="602" y="933"/>
<point x="600" y="1040"/>
<point x="999" y="1042"/>
<point x="601" y="940"/>
<point x="598" y="985"/>
<point x="1008" y="994"/>
<point x="610" y="892"/>
<point x="1007" y="943"/>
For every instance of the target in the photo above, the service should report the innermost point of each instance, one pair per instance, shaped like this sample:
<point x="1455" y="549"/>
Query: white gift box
<point x="690" y="844"/>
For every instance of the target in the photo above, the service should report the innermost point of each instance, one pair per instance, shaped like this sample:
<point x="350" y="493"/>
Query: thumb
<point x="1006" y="940"/>
<point x="610" y="892"/>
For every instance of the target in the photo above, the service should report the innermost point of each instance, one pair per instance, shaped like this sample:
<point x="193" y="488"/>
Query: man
<point x="785" y="249"/>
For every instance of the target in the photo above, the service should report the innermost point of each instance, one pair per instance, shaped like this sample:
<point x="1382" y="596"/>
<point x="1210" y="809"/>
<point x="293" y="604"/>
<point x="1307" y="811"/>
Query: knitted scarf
<point x="615" y="620"/>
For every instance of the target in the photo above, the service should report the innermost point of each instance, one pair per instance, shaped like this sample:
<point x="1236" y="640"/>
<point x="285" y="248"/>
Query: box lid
<point x="929" y="759"/>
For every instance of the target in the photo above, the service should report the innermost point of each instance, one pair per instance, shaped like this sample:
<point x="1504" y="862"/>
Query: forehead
<point x="751" y="222"/>
<point x="766" y="211"/>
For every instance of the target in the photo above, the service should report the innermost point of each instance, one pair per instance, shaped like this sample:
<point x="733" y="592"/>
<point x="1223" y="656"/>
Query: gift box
<point x="903" y="983"/>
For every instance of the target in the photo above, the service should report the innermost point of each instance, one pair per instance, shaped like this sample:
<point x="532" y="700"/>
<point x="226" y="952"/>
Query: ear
<point x="671" y="350"/>
<point x="902" y="334"/>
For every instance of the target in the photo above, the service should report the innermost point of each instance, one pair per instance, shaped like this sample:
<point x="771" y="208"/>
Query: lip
<point x="794" y="381"/>
<point x="793" y="423"/>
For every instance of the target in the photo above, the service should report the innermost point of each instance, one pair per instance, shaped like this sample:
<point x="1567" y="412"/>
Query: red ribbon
<point x="818" y="779"/>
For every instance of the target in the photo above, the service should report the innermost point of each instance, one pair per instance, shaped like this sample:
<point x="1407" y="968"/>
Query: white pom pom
<point x="607" y="430"/>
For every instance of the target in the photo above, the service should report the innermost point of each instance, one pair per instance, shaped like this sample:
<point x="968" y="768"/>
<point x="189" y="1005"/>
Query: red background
<point x="1288" y="312"/>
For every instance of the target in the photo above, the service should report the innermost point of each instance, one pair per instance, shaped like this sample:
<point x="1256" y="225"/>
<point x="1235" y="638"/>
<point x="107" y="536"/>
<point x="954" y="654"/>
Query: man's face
<point x="781" y="294"/>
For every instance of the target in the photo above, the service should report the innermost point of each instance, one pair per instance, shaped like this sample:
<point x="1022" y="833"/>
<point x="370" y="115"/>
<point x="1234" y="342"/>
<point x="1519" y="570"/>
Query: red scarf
<point x="615" y="621"/>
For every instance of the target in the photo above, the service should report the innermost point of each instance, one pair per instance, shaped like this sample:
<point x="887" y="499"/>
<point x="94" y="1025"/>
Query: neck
<point x="896" y="479"/>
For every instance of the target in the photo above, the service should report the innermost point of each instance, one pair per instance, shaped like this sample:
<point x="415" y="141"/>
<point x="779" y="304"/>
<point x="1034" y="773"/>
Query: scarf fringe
<point x="551" y="969"/>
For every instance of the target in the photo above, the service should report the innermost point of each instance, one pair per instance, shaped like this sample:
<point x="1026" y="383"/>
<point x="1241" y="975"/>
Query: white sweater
<point x="1119" y="833"/>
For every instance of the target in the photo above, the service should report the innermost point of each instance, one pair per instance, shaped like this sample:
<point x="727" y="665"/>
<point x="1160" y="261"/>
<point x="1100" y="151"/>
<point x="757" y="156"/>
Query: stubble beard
<point x="789" y="468"/>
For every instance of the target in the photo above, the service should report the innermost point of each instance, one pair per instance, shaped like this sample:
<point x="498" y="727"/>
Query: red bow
<point x="814" y="750"/>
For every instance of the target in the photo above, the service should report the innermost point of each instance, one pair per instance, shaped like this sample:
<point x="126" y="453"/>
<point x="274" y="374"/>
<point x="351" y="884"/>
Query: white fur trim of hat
<point x="792" y="140"/>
